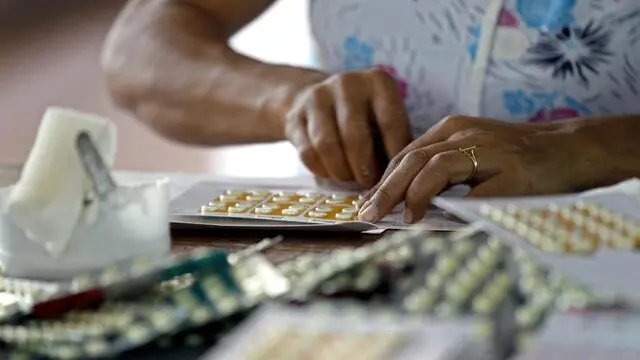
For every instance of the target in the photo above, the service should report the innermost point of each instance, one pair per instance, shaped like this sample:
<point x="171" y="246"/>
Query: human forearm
<point x="169" y="64"/>
<point x="608" y="148"/>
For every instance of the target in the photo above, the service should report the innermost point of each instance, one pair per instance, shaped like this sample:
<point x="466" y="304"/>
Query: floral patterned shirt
<point x="514" y="60"/>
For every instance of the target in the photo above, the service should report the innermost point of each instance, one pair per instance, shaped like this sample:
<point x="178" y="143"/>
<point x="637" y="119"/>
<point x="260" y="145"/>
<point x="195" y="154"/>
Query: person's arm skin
<point x="169" y="63"/>
<point x="513" y="160"/>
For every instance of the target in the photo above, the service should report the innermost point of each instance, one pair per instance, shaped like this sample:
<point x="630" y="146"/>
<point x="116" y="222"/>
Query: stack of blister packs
<point x="465" y="295"/>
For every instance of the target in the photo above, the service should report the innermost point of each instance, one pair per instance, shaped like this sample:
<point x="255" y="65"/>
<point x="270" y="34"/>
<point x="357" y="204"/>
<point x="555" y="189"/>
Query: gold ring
<point x="470" y="153"/>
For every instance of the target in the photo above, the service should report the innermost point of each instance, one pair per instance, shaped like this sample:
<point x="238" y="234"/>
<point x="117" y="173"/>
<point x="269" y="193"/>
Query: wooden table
<point x="295" y="243"/>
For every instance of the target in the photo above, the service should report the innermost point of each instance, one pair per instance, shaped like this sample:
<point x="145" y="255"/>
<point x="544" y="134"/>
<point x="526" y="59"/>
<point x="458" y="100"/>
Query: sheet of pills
<point x="292" y="206"/>
<point x="592" y="239"/>
<point x="351" y="332"/>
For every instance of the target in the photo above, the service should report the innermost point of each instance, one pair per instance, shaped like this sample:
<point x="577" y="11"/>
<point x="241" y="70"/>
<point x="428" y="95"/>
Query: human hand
<point x="512" y="160"/>
<point x="337" y="125"/>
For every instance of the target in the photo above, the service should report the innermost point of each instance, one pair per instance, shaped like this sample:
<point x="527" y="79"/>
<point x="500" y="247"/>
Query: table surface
<point x="294" y="244"/>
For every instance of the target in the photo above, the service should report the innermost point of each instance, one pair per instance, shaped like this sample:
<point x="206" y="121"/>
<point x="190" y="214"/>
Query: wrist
<point x="282" y="98"/>
<point x="604" y="149"/>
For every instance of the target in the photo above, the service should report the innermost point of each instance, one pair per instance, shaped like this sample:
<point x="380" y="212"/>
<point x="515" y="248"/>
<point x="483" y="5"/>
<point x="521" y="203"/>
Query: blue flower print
<point x="358" y="54"/>
<point x="547" y="15"/>
<point x="475" y="32"/>
<point x="518" y="103"/>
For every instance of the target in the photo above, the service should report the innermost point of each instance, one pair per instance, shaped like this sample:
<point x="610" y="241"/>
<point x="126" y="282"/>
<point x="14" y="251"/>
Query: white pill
<point x="271" y="206"/>
<point x="350" y="210"/>
<point x="255" y="197"/>
<point x="286" y="194"/>
<point x="210" y="209"/>
<point x="217" y="203"/>
<point x="338" y="197"/>
<point x="324" y="209"/>
<point x="298" y="206"/>
<point x="245" y="203"/>
<point x="317" y="214"/>
<point x="334" y="201"/>
<point x="308" y="200"/>
<point x="234" y="192"/>
<point x="343" y="216"/>
<point x="281" y="198"/>
<point x="290" y="212"/>
<point x="228" y="198"/>
<point x="237" y="209"/>
<point x="263" y="210"/>
<point x="259" y="193"/>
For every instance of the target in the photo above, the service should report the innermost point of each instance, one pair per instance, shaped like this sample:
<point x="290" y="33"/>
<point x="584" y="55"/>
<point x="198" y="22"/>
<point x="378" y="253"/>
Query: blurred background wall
<point x="49" y="52"/>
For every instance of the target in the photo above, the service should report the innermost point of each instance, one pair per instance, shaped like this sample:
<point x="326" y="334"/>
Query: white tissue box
<point x="139" y="227"/>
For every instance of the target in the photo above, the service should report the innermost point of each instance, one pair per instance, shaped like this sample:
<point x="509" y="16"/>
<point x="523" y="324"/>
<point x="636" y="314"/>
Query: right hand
<point x="336" y="125"/>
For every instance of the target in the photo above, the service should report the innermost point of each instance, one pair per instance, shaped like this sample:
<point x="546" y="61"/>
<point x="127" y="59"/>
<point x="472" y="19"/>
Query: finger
<point x="357" y="139"/>
<point x="445" y="169"/>
<point x="392" y="190"/>
<point x="325" y="138"/>
<point x="297" y="135"/>
<point x="438" y="133"/>
<point x="499" y="185"/>
<point x="402" y="179"/>
<point x="390" y="114"/>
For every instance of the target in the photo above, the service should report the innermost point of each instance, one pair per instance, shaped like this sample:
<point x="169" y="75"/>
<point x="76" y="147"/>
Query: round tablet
<point x="324" y="209"/>
<point x="297" y="206"/>
<point x="343" y="216"/>
<point x="209" y="209"/>
<point x="270" y="206"/>
<point x="350" y="210"/>
<point x="291" y="212"/>
<point x="334" y="201"/>
<point x="287" y="194"/>
<point x="245" y="203"/>
<point x="263" y="210"/>
<point x="281" y="199"/>
<point x="317" y="214"/>
<point x="237" y="209"/>
<point x="217" y="203"/>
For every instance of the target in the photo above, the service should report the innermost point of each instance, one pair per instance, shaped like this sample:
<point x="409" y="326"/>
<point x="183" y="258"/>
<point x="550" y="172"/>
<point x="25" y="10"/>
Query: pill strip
<point x="302" y="206"/>
<point x="578" y="228"/>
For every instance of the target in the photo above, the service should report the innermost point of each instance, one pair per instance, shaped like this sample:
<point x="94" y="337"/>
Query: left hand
<point x="512" y="160"/>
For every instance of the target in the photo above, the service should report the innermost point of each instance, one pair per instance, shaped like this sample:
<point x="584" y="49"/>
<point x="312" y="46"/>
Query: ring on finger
<point x="469" y="152"/>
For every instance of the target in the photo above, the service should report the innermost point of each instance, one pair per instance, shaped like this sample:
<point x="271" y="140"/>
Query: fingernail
<point x="368" y="213"/>
<point x="408" y="216"/>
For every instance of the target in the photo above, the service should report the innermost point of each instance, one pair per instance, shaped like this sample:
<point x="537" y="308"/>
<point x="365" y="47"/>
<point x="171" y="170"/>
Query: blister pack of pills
<point x="292" y="208"/>
<point x="118" y="327"/>
<point x="590" y="238"/>
<point x="588" y="336"/>
<point x="325" y="331"/>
